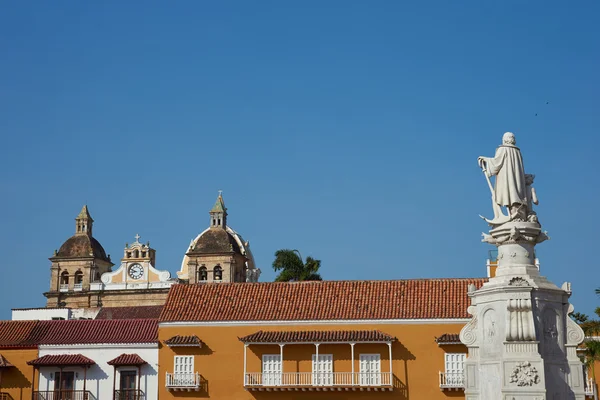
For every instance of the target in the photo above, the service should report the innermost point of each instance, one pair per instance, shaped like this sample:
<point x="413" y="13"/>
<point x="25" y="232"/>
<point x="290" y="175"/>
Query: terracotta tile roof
<point x="317" y="337"/>
<point x="448" y="338"/>
<point x="139" y="312"/>
<point x="184" y="341"/>
<point x="99" y="331"/>
<point x="127" y="359"/>
<point x="18" y="333"/>
<point x="61" y="359"/>
<point x="320" y="300"/>
<point x="4" y="362"/>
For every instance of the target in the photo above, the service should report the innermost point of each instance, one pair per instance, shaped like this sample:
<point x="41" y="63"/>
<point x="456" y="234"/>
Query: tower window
<point x="128" y="254"/>
<point x="78" y="278"/>
<point x="202" y="274"/>
<point x="143" y="254"/>
<point x="136" y="254"/>
<point x="214" y="222"/>
<point x="64" y="278"/>
<point x="219" y="221"/>
<point x="218" y="273"/>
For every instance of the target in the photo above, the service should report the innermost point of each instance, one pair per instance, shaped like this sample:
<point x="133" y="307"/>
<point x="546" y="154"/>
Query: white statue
<point x="511" y="187"/>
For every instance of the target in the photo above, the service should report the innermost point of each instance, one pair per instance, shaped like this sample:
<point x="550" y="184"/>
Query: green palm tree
<point x="293" y="269"/>
<point x="591" y="354"/>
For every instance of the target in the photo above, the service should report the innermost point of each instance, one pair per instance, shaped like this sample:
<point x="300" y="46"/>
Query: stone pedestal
<point x="521" y="341"/>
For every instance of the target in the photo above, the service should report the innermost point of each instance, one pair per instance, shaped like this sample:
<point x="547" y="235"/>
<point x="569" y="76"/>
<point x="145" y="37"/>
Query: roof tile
<point x="139" y="312"/>
<point x="99" y="331"/>
<point x="320" y="300"/>
<point x="184" y="341"/>
<point x="317" y="337"/>
<point x="61" y="359"/>
<point x="448" y="338"/>
<point x="127" y="359"/>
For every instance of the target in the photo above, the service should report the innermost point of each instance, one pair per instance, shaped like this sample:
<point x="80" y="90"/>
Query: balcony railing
<point x="589" y="387"/>
<point x="78" y="287"/>
<point x="64" y="287"/>
<point x="64" y="395"/>
<point x="5" y="396"/>
<point x="129" y="394"/>
<point x="189" y="381"/>
<point x="452" y="380"/>
<point x="319" y="380"/>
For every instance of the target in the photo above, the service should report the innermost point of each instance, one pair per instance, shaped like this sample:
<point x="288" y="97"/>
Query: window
<point x="271" y="370"/>
<point x="370" y="370"/>
<point x="202" y="274"/>
<point x="322" y="370"/>
<point x="454" y="364"/>
<point x="64" y="281"/>
<point x="218" y="273"/>
<point x="184" y="371"/>
<point x="78" y="280"/>
<point x="136" y="254"/>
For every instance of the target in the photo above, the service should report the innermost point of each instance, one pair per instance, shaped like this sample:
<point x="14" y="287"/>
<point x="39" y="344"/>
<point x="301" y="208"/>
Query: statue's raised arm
<point x="510" y="190"/>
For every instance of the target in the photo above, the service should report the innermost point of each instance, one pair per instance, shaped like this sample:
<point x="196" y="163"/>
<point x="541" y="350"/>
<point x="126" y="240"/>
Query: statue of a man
<point x="511" y="188"/>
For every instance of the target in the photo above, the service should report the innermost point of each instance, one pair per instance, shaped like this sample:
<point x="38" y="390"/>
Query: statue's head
<point x="529" y="178"/>
<point x="509" y="138"/>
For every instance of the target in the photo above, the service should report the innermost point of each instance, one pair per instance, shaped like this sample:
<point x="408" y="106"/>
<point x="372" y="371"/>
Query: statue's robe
<point x="507" y="166"/>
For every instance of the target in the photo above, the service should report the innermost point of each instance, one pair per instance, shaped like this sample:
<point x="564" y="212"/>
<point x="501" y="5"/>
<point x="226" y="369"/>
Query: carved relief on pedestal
<point x="575" y="334"/>
<point x="551" y="331"/>
<point x="524" y="374"/>
<point x="490" y="331"/>
<point x="518" y="281"/>
<point x="520" y="321"/>
<point x="468" y="334"/>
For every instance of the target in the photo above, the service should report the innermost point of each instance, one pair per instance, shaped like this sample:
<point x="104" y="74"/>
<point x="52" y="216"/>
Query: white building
<point x="96" y="359"/>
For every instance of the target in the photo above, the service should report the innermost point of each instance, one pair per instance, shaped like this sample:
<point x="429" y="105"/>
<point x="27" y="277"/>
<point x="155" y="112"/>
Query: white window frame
<point x="324" y="376"/>
<point x="272" y="375"/>
<point x="454" y="368"/>
<point x="370" y="376"/>
<point x="183" y="372"/>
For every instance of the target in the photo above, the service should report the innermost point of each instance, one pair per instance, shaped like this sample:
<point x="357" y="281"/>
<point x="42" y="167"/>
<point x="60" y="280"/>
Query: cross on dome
<point x="137" y="237"/>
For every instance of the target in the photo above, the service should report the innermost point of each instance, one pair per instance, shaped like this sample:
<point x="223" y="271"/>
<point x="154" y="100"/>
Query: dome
<point x="216" y="241"/>
<point x="80" y="246"/>
<point x="219" y="241"/>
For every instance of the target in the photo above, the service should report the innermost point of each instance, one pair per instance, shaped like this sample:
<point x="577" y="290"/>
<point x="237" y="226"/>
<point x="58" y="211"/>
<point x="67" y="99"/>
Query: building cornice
<point x="317" y="322"/>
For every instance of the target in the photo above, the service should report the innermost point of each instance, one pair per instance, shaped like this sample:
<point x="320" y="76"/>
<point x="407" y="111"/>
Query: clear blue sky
<point x="349" y="130"/>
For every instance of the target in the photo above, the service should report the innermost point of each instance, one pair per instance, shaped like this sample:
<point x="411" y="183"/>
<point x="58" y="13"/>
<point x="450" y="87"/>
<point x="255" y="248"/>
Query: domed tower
<point x="80" y="261"/>
<point x="219" y="254"/>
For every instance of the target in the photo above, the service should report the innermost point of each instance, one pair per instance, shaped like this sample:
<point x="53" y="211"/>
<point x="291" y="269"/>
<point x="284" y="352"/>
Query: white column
<point x="281" y="361"/>
<point x="391" y="375"/>
<point x="245" y="348"/>
<point x="316" y="374"/>
<point x="352" y="358"/>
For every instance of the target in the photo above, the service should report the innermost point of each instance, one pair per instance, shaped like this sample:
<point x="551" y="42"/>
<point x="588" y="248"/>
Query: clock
<point x="136" y="271"/>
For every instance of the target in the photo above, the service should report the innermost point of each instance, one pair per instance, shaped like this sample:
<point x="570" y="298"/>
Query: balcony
<point x="452" y="380"/>
<point x="318" y="381"/>
<point x="189" y="381"/>
<point x="64" y="395"/>
<point x="589" y="387"/>
<point x="64" y="287"/>
<point x="129" y="394"/>
<point x="78" y="287"/>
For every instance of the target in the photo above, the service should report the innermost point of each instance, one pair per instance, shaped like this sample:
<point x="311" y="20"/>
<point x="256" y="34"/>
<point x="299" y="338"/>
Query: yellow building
<point x="331" y="339"/>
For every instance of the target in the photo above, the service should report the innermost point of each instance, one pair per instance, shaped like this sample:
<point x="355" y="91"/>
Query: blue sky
<point x="348" y="130"/>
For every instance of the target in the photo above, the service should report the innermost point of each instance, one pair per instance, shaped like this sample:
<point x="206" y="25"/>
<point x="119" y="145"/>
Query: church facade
<point x="83" y="276"/>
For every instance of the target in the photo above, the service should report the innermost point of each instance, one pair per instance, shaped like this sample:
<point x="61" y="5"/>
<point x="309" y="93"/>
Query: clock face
<point x="136" y="271"/>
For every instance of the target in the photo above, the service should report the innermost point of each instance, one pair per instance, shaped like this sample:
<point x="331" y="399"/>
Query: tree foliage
<point x="591" y="345"/>
<point x="293" y="269"/>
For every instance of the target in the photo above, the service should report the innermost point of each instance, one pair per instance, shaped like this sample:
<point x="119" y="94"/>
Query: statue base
<point x="521" y="341"/>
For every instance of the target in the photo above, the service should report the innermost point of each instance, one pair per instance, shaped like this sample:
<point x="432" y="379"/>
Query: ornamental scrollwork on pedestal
<point x="468" y="335"/>
<point x="524" y="374"/>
